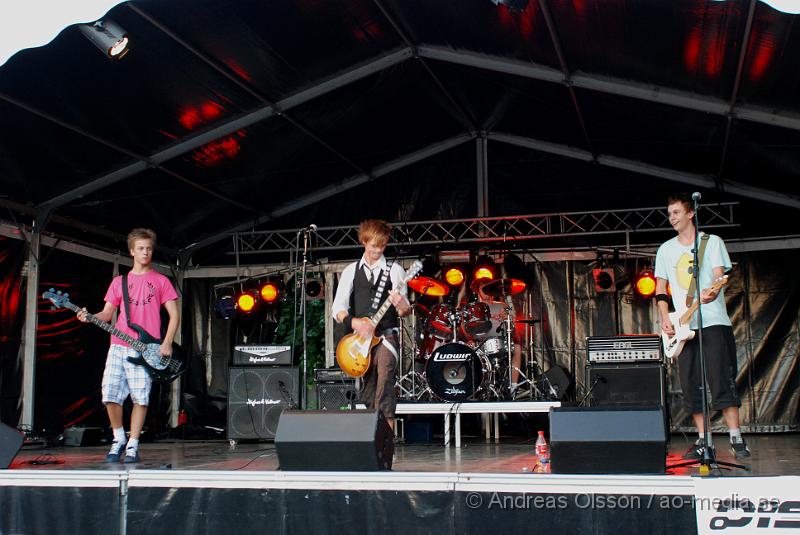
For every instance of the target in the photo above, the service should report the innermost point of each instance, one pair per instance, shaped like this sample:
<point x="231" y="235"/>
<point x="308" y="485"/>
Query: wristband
<point x="348" y="321"/>
<point x="662" y="297"/>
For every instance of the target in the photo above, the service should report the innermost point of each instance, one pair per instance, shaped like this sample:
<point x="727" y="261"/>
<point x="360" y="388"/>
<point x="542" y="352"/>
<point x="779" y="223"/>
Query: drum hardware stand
<point x="414" y="377"/>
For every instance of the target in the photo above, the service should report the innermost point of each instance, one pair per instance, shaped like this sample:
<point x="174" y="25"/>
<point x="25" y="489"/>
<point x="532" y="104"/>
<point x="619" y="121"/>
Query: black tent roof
<point x="246" y="114"/>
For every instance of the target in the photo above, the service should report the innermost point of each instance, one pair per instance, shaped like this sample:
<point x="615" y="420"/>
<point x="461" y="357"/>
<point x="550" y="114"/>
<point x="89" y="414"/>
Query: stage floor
<point x="772" y="455"/>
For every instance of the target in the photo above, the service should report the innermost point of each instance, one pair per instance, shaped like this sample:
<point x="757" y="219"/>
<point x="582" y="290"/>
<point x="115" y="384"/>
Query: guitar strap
<point x="696" y="270"/>
<point x="125" y="300"/>
<point x="376" y="301"/>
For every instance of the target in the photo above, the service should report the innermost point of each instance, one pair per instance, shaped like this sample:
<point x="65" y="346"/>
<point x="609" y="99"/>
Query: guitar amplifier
<point x="624" y="348"/>
<point x="262" y="355"/>
<point x="331" y="375"/>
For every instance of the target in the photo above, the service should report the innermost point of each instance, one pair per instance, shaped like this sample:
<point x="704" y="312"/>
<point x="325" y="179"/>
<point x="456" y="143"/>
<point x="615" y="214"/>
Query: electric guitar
<point x="673" y="345"/>
<point x="163" y="369"/>
<point x="354" y="352"/>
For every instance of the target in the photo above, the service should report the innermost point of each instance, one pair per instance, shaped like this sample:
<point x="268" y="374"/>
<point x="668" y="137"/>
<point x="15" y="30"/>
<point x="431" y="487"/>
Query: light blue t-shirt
<point x="674" y="262"/>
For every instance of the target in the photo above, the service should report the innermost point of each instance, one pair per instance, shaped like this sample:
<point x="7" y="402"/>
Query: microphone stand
<point x="707" y="460"/>
<point x="302" y="297"/>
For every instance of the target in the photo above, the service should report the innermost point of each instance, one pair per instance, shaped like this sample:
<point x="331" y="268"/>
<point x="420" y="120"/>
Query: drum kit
<point x="464" y="353"/>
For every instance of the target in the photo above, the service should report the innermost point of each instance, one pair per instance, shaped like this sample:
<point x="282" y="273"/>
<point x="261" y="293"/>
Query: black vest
<point x="361" y="299"/>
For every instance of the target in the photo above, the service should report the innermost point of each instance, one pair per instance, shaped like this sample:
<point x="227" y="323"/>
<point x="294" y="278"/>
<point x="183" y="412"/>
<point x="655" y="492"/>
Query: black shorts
<point x="719" y="348"/>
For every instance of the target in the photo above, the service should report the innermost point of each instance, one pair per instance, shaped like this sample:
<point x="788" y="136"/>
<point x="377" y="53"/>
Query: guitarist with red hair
<point x="363" y="287"/>
<point x="147" y="290"/>
<point x="674" y="261"/>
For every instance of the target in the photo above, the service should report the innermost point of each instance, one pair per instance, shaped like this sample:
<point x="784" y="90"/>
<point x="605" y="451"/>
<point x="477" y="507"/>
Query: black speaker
<point x="10" y="443"/>
<point x="357" y="440"/>
<point x="556" y="383"/>
<point x="256" y="399"/>
<point x="626" y="384"/>
<point x="608" y="440"/>
<point x="336" y="396"/>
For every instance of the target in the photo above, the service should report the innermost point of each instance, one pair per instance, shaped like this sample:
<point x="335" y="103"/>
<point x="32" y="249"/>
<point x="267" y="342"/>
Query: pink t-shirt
<point x="146" y="293"/>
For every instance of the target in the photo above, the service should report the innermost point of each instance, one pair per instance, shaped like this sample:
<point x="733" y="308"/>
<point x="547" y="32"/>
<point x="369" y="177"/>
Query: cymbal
<point x="429" y="286"/>
<point x="501" y="287"/>
<point x="528" y="321"/>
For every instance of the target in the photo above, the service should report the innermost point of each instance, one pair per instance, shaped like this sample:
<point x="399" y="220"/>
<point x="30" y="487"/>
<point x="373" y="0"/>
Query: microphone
<point x="696" y="196"/>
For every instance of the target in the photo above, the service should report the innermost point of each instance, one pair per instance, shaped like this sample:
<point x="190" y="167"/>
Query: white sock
<point x="736" y="435"/>
<point x="133" y="444"/>
<point x="701" y="435"/>
<point x="119" y="434"/>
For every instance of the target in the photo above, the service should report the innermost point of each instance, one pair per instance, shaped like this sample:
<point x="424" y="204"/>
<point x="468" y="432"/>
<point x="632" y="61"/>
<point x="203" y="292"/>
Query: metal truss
<point x="485" y="230"/>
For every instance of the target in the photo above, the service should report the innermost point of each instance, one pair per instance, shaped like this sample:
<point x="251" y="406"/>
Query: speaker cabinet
<point x="626" y="384"/>
<point x="359" y="440"/>
<point x="336" y="396"/>
<point x="256" y="399"/>
<point x="608" y="440"/>
<point x="10" y="443"/>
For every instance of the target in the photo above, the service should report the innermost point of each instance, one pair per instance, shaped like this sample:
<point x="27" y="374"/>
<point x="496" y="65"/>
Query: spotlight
<point x="273" y="290"/>
<point x="246" y="302"/>
<point x="603" y="279"/>
<point x="314" y="289"/>
<point x="645" y="283"/>
<point x="484" y="269"/>
<point x="454" y="276"/>
<point x="108" y="37"/>
<point x="225" y="307"/>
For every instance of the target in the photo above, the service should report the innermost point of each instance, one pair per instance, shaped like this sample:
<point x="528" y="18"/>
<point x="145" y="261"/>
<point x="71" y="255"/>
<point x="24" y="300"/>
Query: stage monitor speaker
<point x="608" y="440"/>
<point x="256" y="399"/>
<point x="10" y="442"/>
<point x="336" y="396"/>
<point x="626" y="384"/>
<point x="556" y="383"/>
<point x="358" y="440"/>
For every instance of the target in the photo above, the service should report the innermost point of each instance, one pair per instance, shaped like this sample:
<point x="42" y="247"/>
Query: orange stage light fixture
<point x="270" y="292"/>
<point x="484" y="269"/>
<point x="454" y="276"/>
<point x="246" y="302"/>
<point x="645" y="283"/>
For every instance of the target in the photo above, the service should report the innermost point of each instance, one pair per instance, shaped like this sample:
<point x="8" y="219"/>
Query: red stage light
<point x="246" y="302"/>
<point x="485" y="269"/>
<point x="454" y="276"/>
<point x="645" y="283"/>
<point x="483" y="273"/>
<point x="270" y="292"/>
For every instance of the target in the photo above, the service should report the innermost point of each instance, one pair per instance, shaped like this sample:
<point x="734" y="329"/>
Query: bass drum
<point x="456" y="372"/>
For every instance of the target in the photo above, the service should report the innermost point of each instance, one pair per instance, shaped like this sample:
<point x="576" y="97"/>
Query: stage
<point x="214" y="486"/>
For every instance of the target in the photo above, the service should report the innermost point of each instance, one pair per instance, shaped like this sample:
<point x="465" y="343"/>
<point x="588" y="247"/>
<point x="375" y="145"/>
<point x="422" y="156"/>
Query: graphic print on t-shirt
<point x="151" y="293"/>
<point x="683" y="270"/>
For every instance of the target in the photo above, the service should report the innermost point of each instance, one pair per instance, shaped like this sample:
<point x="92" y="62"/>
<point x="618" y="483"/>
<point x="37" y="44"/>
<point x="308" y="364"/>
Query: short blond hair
<point x="141" y="234"/>
<point x="376" y="229"/>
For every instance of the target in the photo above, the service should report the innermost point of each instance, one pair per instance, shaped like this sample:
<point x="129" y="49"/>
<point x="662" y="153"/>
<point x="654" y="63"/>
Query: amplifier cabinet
<point x="626" y="384"/>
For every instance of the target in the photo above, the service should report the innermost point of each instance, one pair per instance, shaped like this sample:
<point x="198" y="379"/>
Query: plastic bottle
<point x="542" y="449"/>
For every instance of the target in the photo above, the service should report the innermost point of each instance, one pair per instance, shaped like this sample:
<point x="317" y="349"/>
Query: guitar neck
<point x="686" y="317"/>
<point x="138" y="345"/>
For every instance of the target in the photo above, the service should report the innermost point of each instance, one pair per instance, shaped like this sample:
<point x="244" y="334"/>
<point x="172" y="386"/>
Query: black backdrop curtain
<point x="12" y="315"/>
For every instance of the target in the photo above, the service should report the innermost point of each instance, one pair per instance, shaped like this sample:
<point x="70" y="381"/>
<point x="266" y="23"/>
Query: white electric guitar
<point x="673" y="345"/>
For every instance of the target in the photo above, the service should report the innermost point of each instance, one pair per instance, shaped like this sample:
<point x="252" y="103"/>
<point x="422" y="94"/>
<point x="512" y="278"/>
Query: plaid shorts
<point x="122" y="377"/>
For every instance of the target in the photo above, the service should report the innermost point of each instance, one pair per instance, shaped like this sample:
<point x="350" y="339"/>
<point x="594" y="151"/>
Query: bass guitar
<point x="673" y="345"/>
<point x="354" y="352"/>
<point x="162" y="368"/>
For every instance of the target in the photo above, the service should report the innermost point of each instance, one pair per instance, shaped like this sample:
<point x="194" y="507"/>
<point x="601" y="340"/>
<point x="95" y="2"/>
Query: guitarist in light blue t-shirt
<point x="674" y="264"/>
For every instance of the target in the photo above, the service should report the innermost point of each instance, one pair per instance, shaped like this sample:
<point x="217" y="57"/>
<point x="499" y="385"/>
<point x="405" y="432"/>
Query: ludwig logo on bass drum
<point x="447" y="357"/>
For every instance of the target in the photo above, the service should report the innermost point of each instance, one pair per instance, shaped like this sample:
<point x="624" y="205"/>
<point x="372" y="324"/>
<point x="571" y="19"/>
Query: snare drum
<point x="477" y="319"/>
<point x="456" y="372"/>
<point x="440" y="323"/>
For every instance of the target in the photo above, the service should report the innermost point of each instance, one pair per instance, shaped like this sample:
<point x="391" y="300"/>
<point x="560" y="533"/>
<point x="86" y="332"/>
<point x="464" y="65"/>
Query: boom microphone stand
<point x="707" y="460"/>
<point x="302" y="296"/>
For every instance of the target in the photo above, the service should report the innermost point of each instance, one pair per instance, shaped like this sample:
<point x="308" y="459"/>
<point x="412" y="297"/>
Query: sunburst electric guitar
<point x="353" y="353"/>
<point x="673" y="345"/>
<point x="163" y="369"/>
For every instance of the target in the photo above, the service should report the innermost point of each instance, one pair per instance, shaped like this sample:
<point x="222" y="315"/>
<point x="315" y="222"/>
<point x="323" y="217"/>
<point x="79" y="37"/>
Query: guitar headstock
<point x="414" y="270"/>
<point x="719" y="283"/>
<point x="59" y="299"/>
